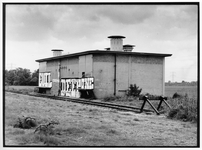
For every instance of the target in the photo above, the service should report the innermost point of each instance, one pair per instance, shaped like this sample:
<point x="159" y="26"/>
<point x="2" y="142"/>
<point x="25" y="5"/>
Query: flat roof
<point x="56" y="50"/>
<point x="116" y="36"/>
<point x="103" y="52"/>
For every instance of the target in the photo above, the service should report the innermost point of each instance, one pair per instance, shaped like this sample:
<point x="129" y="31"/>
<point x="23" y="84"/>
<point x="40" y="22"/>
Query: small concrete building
<point x="104" y="73"/>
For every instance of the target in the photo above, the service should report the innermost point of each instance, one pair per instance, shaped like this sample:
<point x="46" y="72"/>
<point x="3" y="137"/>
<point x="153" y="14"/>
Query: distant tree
<point x="9" y="77"/>
<point x="183" y="83"/>
<point x="194" y="83"/>
<point x="18" y="76"/>
<point x="35" y="73"/>
<point x="16" y="80"/>
<point x="7" y="82"/>
<point x="168" y="83"/>
<point x="34" y="81"/>
<point x="23" y="76"/>
<point x="35" y="78"/>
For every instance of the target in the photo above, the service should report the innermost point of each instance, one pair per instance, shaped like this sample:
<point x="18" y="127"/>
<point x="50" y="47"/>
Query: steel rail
<point x="89" y="102"/>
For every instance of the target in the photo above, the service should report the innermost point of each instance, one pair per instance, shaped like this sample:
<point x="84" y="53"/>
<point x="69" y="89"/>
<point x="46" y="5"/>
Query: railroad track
<point x="89" y="102"/>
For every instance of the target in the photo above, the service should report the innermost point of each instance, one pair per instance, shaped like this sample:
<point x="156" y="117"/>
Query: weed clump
<point x="183" y="108"/>
<point x="25" y="123"/>
<point x="46" y="129"/>
<point x="179" y="113"/>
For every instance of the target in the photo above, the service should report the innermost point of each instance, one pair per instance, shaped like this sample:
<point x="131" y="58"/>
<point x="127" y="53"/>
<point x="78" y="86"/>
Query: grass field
<point x="169" y="90"/>
<point x="23" y="89"/>
<point x="191" y="91"/>
<point x="190" y="101"/>
<point x="83" y="125"/>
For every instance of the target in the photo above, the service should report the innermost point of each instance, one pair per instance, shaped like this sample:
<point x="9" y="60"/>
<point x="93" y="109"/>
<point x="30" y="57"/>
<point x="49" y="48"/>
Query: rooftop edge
<point x="103" y="52"/>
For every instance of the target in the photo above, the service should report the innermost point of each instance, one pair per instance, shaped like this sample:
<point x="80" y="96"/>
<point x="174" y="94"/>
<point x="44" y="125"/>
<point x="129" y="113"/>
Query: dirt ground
<point x="83" y="125"/>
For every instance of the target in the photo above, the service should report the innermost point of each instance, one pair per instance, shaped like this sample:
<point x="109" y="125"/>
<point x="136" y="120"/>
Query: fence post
<point x="161" y="100"/>
<point x="157" y="112"/>
<point x="145" y="99"/>
<point x="166" y="103"/>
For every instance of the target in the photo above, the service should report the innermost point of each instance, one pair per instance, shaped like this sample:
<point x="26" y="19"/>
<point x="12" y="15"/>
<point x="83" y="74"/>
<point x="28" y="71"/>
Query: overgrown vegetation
<point x="132" y="93"/>
<point x="83" y="125"/>
<point x="43" y="133"/>
<point x="183" y="108"/>
<point x="46" y="129"/>
<point x="25" y="123"/>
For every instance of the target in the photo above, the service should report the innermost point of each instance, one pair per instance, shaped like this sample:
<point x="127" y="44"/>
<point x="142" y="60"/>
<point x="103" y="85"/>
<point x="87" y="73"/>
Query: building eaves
<point x="103" y="52"/>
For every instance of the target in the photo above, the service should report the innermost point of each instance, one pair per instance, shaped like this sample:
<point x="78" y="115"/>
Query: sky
<point x="32" y="31"/>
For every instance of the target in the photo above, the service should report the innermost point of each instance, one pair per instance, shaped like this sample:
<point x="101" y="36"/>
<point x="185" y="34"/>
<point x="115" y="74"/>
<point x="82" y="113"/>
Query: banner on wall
<point x="44" y="80"/>
<point x="71" y="87"/>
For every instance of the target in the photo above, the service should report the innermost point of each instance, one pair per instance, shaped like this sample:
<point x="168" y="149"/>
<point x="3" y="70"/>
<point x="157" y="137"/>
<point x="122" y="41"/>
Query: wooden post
<point x="166" y="103"/>
<point x="157" y="112"/>
<point x="161" y="100"/>
<point x="145" y="99"/>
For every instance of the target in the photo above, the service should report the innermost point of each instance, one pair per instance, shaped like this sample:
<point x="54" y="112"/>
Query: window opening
<point x="47" y="78"/>
<point x="83" y="74"/>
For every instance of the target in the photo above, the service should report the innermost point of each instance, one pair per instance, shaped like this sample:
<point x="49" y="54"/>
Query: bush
<point x="179" y="113"/>
<point x="183" y="108"/>
<point x="176" y="95"/>
<point x="134" y="90"/>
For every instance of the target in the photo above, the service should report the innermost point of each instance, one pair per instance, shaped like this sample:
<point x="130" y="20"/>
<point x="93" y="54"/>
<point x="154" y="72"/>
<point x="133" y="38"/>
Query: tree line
<point x="20" y="76"/>
<point x="183" y="83"/>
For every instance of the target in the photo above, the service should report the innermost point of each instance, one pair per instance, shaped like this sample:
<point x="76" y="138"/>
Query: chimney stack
<point x="116" y="43"/>
<point x="128" y="48"/>
<point x="57" y="52"/>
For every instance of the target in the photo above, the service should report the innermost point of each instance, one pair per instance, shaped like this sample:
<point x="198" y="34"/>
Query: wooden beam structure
<point x="146" y="99"/>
